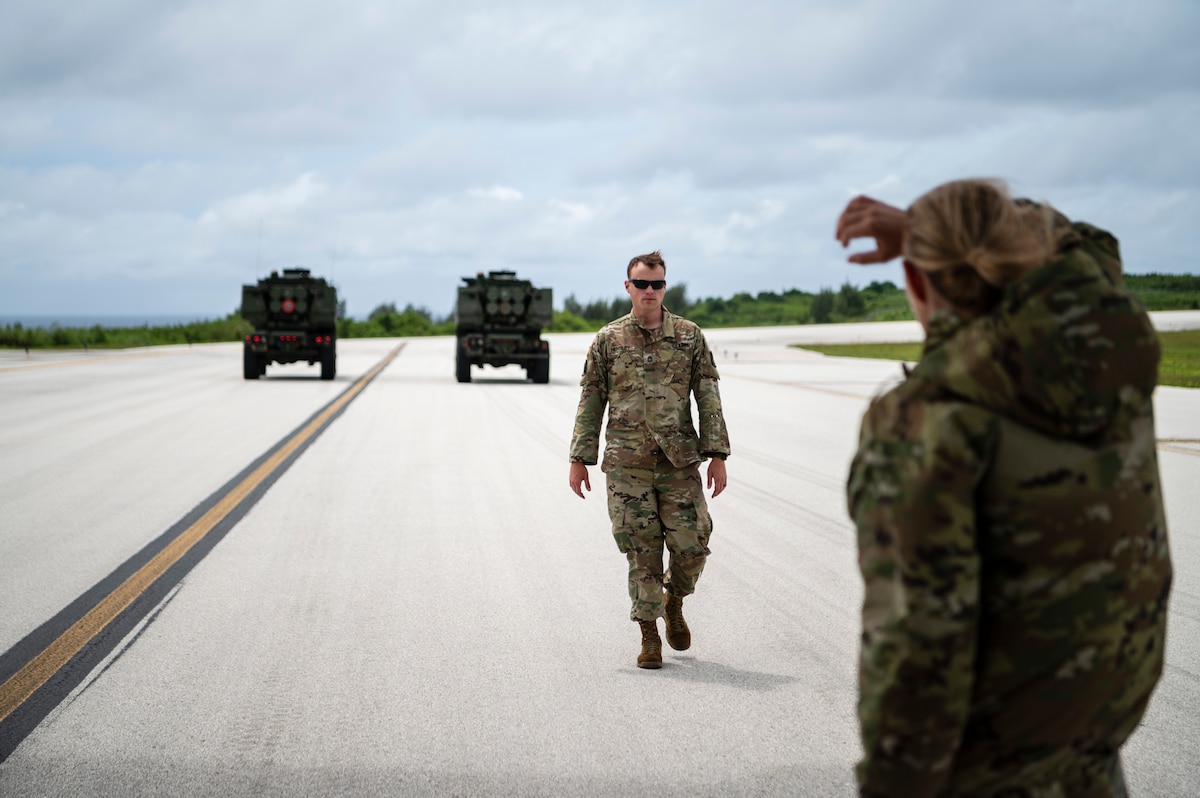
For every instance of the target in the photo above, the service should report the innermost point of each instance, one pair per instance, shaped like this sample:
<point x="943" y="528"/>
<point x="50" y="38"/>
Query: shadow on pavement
<point x="689" y="668"/>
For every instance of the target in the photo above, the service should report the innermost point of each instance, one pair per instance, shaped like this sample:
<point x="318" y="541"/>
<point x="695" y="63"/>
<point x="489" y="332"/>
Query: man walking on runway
<point x="645" y="367"/>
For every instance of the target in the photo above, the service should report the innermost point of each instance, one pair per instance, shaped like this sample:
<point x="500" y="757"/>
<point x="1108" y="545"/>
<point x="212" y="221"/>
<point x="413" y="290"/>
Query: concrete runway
<point x="418" y="605"/>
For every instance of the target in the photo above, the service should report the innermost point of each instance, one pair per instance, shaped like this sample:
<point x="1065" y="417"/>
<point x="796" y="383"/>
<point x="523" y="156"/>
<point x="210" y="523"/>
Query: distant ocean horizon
<point x="46" y="321"/>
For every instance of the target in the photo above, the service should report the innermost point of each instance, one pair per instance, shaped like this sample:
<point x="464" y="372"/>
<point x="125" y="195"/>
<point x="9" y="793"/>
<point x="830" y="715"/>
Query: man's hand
<point x="579" y="479"/>
<point x="869" y="218"/>
<point x="717" y="480"/>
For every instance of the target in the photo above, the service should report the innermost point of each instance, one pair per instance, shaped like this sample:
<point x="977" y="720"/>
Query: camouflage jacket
<point x="647" y="377"/>
<point x="1012" y="542"/>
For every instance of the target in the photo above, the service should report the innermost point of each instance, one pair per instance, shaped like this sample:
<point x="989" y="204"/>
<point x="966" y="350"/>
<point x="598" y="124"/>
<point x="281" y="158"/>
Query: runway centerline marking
<point x="43" y="667"/>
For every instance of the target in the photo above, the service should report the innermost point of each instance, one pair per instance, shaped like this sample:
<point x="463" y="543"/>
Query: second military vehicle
<point x="295" y="319"/>
<point x="499" y="320"/>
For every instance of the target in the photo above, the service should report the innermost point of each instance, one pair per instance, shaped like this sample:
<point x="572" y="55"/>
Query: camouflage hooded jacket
<point x="647" y="377"/>
<point x="1012" y="542"/>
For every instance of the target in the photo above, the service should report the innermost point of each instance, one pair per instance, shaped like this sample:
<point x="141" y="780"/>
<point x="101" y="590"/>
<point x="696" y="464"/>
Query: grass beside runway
<point x="1180" y="364"/>
<point x="1181" y="359"/>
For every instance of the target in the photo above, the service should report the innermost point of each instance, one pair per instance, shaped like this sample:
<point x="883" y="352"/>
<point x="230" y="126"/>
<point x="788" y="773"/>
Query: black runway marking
<point x="41" y="670"/>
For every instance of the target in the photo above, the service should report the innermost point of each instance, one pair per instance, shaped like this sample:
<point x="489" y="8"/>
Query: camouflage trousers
<point x="653" y="508"/>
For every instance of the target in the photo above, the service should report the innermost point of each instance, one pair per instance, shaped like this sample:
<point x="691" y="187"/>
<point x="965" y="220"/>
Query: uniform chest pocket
<point x="626" y="364"/>
<point x="684" y="346"/>
<point x="680" y="354"/>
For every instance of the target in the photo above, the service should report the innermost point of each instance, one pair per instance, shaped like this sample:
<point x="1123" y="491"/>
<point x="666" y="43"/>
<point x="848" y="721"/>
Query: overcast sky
<point x="154" y="156"/>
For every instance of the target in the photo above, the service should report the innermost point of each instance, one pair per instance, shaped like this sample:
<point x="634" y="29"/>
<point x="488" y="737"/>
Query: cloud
<point x="499" y="193"/>
<point x="879" y="187"/>
<point x="400" y="146"/>
<point x="255" y="206"/>
<point x="767" y="211"/>
<point x="572" y="211"/>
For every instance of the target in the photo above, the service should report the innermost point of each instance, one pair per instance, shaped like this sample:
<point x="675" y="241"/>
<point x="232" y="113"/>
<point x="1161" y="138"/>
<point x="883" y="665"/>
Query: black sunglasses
<point x="642" y="285"/>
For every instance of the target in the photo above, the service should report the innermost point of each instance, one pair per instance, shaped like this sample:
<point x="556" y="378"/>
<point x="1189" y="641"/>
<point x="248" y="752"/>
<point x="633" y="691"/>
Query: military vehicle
<point x="295" y="318"/>
<point x="499" y="320"/>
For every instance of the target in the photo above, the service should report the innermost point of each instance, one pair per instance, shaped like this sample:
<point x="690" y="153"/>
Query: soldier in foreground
<point x="1011" y="533"/>
<point x="645" y="367"/>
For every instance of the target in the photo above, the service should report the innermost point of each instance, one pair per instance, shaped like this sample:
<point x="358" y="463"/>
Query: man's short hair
<point x="653" y="260"/>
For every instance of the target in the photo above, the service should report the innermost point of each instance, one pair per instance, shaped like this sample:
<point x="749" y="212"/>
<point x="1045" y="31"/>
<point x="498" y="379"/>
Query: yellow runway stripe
<point x="1180" y="445"/>
<point x="41" y="668"/>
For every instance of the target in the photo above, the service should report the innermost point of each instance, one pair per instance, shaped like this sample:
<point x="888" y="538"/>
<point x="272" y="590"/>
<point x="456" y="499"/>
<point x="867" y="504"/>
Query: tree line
<point x="877" y="301"/>
<point x="231" y="328"/>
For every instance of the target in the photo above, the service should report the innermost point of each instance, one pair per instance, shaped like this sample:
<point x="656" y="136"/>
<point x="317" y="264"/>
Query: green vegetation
<point x="387" y="322"/>
<point x="1180" y="364"/>
<point x="1166" y="291"/>
<point x="878" y="301"/>
<point x="231" y="328"/>
<point x="910" y="352"/>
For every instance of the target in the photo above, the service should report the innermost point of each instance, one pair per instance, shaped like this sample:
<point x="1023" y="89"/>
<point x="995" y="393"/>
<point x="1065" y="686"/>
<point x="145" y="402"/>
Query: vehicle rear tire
<point x="462" y="367"/>
<point x="251" y="369"/>
<point x="328" y="364"/>
<point x="539" y="370"/>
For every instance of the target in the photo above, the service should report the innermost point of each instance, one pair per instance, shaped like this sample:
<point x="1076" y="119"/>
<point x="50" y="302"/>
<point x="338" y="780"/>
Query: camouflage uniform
<point x="652" y="452"/>
<point x="1013" y="545"/>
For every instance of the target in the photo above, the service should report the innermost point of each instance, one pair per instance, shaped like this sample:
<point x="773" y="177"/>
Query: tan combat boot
<point x="651" y="656"/>
<point x="678" y="635"/>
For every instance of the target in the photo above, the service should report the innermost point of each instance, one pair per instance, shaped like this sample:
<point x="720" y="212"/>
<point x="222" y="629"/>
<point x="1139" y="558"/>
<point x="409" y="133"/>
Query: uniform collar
<point x="943" y="324"/>
<point x="668" y="323"/>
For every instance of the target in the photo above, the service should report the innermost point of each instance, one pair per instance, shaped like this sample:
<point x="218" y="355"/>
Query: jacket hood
<point x="1069" y="351"/>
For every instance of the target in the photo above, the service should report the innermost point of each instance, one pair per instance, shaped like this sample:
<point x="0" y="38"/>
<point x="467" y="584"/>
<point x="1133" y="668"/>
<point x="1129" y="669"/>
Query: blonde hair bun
<point x="976" y="224"/>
